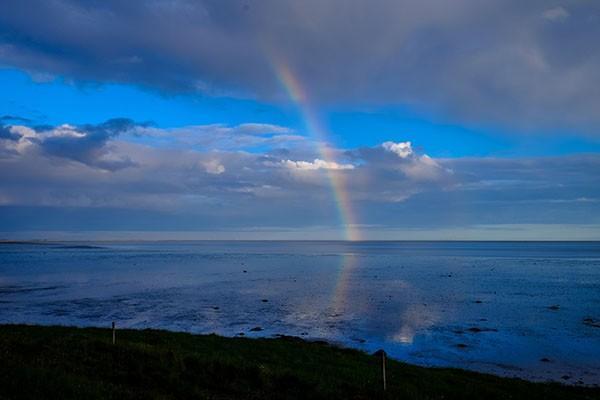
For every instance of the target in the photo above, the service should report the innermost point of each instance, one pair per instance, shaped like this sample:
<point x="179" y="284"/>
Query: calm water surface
<point x="495" y="307"/>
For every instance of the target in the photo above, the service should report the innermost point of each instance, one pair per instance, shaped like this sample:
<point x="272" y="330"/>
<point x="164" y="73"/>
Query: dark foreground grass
<point x="71" y="363"/>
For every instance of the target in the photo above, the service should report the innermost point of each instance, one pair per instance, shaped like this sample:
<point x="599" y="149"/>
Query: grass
<point x="39" y="362"/>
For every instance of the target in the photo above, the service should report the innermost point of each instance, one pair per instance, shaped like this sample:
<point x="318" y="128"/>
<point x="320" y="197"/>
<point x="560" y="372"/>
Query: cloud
<point x="113" y="176"/>
<point x="6" y="133"/>
<point x="263" y="129"/>
<point x="247" y="136"/>
<point x="498" y="63"/>
<point x="214" y="167"/>
<point x="555" y="14"/>
<point x="402" y="149"/>
<point x="14" y="118"/>
<point x="401" y="159"/>
<point x="5" y="130"/>
<point x="425" y="168"/>
<point x="86" y="144"/>
<point x="316" y="164"/>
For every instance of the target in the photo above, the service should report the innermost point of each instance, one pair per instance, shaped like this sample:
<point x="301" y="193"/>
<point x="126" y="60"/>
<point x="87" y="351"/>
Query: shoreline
<point x="499" y="370"/>
<point x="312" y="369"/>
<point x="137" y="240"/>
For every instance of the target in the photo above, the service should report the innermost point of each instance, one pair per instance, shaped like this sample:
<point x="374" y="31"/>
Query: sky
<point x="310" y="120"/>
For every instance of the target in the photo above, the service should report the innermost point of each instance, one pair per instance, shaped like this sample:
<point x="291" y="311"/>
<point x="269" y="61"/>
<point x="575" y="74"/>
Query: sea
<point x="520" y="309"/>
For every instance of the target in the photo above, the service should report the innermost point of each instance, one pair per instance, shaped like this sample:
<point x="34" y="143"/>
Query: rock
<point x="256" y="329"/>
<point x="554" y="307"/>
<point x="461" y="346"/>
<point x="592" y="322"/>
<point x="215" y="308"/>
<point x="546" y="360"/>
<point x="245" y="271"/>
<point x="265" y="300"/>
<point x="476" y="329"/>
<point x="478" y="301"/>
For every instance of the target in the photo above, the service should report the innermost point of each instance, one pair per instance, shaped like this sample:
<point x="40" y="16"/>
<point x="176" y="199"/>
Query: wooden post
<point x="381" y="353"/>
<point x="383" y="369"/>
<point x="113" y="332"/>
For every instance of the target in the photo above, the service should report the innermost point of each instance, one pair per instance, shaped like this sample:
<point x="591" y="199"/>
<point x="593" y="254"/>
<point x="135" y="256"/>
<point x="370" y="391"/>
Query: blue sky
<point x="59" y="101"/>
<point x="231" y="125"/>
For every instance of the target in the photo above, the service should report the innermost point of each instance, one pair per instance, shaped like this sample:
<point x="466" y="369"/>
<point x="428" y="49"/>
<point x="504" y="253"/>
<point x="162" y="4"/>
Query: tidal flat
<point x="515" y="309"/>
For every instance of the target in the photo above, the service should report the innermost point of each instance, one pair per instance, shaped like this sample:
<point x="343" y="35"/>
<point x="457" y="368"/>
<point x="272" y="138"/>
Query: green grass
<point x="71" y="363"/>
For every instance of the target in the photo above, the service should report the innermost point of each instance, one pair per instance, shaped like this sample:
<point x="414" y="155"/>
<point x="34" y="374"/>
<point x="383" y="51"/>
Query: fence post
<point x="113" y="332"/>
<point x="381" y="353"/>
<point x="383" y="370"/>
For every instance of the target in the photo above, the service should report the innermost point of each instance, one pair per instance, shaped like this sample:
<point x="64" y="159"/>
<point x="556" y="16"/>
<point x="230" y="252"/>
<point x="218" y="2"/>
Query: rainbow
<point x="298" y="95"/>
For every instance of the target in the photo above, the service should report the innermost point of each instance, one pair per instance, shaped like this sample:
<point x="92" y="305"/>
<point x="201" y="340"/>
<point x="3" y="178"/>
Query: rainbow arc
<point x="337" y="178"/>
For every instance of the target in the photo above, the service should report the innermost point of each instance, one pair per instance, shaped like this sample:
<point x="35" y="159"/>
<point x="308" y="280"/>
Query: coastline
<point x="69" y="362"/>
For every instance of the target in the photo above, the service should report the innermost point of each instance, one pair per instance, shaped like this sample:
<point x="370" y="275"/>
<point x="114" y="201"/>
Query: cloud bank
<point x="124" y="176"/>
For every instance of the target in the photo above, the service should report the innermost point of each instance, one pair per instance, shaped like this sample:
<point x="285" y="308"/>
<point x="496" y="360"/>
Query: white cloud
<point x="23" y="131"/>
<point x="316" y="165"/>
<point x="401" y="149"/>
<point x="414" y="166"/>
<point x="86" y="144"/>
<point x="214" y="167"/>
<point x="26" y="139"/>
<point x="65" y="130"/>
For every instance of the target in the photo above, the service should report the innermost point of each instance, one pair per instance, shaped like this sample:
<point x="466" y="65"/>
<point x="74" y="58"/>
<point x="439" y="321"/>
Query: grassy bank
<point x="70" y="363"/>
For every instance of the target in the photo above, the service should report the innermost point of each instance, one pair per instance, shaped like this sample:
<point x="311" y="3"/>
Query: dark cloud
<point x="5" y="133"/>
<point x="14" y="118"/>
<point x="87" y="144"/>
<point x="526" y="65"/>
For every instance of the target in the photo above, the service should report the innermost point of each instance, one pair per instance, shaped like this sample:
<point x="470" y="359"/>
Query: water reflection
<point x="433" y="304"/>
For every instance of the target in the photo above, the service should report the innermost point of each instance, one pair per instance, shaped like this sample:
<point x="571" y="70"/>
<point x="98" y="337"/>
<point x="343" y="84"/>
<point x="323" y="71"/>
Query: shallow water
<point x="486" y="306"/>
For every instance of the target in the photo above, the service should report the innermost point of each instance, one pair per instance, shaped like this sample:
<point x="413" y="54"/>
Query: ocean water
<point x="524" y="309"/>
